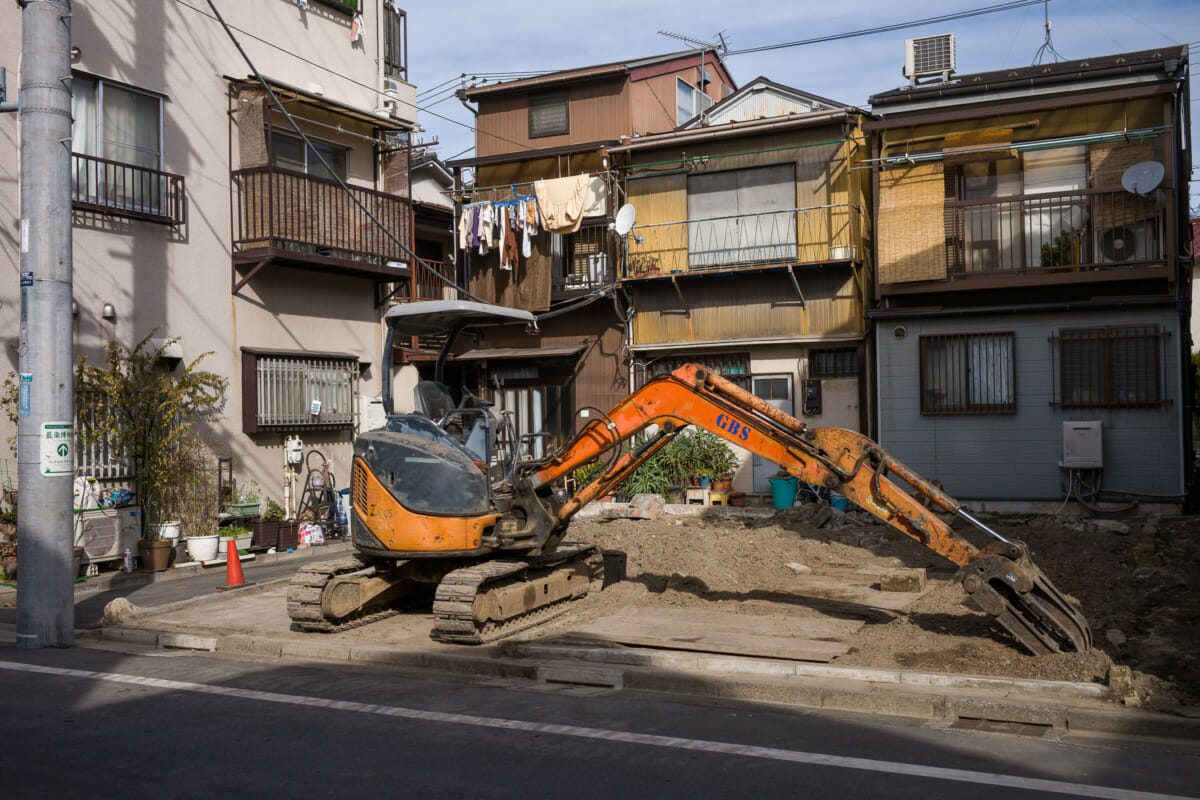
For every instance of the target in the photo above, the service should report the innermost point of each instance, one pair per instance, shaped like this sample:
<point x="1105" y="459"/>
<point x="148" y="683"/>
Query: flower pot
<point x="243" y="509"/>
<point x="289" y="536"/>
<point x="265" y="532"/>
<point x="723" y="485"/>
<point x="203" y="548"/>
<point x="155" y="553"/>
<point x="242" y="542"/>
<point x="166" y="530"/>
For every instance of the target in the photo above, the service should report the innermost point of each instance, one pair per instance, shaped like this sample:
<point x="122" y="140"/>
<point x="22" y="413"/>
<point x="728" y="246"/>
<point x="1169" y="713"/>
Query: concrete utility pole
<point x="45" y="422"/>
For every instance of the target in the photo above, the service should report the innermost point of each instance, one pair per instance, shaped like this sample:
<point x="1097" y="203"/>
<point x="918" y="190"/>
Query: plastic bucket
<point x="783" y="492"/>
<point x="839" y="502"/>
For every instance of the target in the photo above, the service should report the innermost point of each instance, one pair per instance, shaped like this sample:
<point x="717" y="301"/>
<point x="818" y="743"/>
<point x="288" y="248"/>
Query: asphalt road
<point x="103" y="721"/>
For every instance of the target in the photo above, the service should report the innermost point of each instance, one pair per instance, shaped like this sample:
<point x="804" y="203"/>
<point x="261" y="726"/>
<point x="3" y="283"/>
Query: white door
<point x="776" y="390"/>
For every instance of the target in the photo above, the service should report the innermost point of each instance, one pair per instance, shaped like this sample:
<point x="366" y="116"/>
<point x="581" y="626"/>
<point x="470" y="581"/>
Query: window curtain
<point x="131" y="128"/>
<point x="84" y="110"/>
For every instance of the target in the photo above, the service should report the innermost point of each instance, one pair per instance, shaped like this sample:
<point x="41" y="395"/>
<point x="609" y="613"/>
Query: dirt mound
<point x="1134" y="580"/>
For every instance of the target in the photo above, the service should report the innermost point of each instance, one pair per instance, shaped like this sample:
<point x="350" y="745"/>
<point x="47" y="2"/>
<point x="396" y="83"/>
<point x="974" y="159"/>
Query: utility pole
<point x="45" y="421"/>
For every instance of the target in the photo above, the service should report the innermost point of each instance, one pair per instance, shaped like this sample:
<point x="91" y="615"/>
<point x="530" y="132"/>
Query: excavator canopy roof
<point x="442" y="316"/>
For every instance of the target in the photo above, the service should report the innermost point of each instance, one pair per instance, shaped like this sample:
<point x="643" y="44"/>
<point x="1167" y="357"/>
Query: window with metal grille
<point x="734" y="367"/>
<point x="548" y="114"/>
<point x="395" y="41"/>
<point x="840" y="363"/>
<point x="286" y="391"/>
<point x="1109" y="366"/>
<point x="968" y="373"/>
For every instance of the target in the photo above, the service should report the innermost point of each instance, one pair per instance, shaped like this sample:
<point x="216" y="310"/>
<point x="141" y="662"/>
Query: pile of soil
<point x="1133" y="579"/>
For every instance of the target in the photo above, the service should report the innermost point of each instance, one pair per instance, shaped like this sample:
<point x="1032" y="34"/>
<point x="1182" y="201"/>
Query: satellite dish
<point x="1142" y="179"/>
<point x="624" y="220"/>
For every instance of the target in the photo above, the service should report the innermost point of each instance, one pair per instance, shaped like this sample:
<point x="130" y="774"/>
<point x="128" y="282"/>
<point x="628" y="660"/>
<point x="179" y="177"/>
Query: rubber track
<point x="454" y="603"/>
<point x="307" y="586"/>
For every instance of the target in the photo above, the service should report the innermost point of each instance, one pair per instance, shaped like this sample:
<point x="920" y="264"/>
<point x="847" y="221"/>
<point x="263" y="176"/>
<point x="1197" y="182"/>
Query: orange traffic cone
<point x="233" y="568"/>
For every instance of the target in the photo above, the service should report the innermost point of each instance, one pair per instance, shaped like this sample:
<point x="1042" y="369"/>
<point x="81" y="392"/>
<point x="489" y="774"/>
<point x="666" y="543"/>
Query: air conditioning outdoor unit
<point x="929" y="55"/>
<point x="1133" y="241"/>
<point x="105" y="533"/>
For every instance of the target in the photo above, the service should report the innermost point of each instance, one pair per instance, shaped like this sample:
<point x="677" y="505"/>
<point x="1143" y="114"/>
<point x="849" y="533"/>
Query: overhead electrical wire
<point x="975" y="12"/>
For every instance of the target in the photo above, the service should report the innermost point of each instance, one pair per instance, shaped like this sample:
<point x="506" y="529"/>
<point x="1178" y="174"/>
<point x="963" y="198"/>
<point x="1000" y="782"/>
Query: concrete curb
<point x="896" y="693"/>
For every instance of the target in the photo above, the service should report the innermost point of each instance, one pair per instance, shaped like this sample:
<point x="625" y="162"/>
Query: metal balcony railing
<point x="1053" y="231"/>
<point x="795" y="235"/>
<point x="585" y="260"/>
<point x="427" y="286"/>
<point x="127" y="190"/>
<point x="281" y="209"/>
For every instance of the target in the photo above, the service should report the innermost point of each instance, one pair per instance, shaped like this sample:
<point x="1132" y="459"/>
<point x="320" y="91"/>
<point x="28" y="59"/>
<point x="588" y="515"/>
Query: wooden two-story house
<point x="750" y="253"/>
<point x="557" y="128"/>
<point x="1032" y="302"/>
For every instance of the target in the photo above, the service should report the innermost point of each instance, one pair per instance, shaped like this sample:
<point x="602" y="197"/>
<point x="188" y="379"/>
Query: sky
<point x="483" y="39"/>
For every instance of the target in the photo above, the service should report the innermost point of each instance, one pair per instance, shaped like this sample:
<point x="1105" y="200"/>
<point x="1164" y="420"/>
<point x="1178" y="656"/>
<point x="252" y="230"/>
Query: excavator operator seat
<point x="432" y="399"/>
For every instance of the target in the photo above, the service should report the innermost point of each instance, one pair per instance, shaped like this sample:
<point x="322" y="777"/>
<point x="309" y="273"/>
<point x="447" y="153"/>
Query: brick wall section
<point x="912" y="225"/>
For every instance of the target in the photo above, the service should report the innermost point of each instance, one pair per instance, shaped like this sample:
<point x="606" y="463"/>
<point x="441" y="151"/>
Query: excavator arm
<point x="1000" y="578"/>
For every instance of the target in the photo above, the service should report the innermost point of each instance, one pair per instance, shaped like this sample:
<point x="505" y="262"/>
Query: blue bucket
<point x="783" y="492"/>
<point x="839" y="502"/>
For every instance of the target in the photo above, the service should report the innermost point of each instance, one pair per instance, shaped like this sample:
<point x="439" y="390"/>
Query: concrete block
<point x="385" y="656"/>
<point x="903" y="580"/>
<point x="130" y="636"/>
<point x="314" y="651"/>
<point x="792" y="694"/>
<point x="187" y="641"/>
<point x="582" y="675"/>
<point x="893" y="703"/>
<point x="250" y="645"/>
<point x="1033" y="713"/>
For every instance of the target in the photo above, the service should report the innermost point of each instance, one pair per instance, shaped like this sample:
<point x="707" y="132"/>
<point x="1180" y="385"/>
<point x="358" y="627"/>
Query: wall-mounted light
<point x="108" y="312"/>
<point x="76" y="53"/>
<point x="74" y="309"/>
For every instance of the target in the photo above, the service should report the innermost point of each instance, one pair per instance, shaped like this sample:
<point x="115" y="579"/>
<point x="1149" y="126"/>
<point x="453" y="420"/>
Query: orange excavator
<point x="449" y="497"/>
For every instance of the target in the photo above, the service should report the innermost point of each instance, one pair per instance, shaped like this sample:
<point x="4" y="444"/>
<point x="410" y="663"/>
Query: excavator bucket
<point x="1005" y="583"/>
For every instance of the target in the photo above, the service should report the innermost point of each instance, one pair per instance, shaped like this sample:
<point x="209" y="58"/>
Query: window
<point x="293" y="391"/>
<point x="689" y="101"/>
<point x="395" y="41"/>
<point x="548" y="114"/>
<point x="1110" y="366"/>
<point x="289" y="152"/>
<point x="121" y="125"/>
<point x="742" y="217"/>
<point x="841" y="363"/>
<point x="734" y="367"/>
<point x="968" y="373"/>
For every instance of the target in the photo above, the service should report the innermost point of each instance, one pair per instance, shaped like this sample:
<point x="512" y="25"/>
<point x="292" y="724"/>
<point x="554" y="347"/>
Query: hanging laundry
<point x="560" y="201"/>
<point x="596" y="204"/>
<point x="509" y="252"/>
<point x="357" y="29"/>
<point x="464" y="229"/>
<point x="527" y="216"/>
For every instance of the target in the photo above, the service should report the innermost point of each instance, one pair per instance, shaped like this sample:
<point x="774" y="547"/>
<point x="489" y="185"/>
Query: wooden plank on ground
<point x="775" y="636"/>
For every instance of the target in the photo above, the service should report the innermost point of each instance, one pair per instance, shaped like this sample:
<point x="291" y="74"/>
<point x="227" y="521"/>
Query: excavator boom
<point x="1000" y="578"/>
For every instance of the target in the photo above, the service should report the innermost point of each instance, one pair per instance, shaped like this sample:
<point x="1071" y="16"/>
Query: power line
<point x="976" y="12"/>
<point x="374" y="89"/>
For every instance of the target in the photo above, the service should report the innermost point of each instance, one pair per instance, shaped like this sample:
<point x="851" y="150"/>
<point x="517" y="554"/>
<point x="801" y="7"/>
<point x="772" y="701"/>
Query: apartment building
<point x="199" y="213"/>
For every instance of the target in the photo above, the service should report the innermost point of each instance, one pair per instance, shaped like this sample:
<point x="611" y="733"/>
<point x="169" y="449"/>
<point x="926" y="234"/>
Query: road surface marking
<point x="624" y="737"/>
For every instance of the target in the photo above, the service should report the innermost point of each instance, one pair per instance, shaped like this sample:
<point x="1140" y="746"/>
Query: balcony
<point x="427" y="286"/>
<point x="585" y="263"/>
<point x="286" y="217"/>
<point x="1086" y="230"/>
<point x="811" y="235"/>
<point x="127" y="190"/>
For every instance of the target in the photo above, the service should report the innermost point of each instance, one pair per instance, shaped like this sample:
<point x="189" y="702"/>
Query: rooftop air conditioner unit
<point x="929" y="55"/>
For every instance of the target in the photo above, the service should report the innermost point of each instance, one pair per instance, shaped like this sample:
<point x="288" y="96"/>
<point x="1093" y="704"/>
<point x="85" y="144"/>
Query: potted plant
<point x="265" y="529"/>
<point x="145" y="411"/>
<point x="195" y="495"/>
<point x="238" y="534"/>
<point x="248" y="503"/>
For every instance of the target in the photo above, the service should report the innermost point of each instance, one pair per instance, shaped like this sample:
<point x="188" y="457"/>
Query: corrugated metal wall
<point x="732" y="307"/>
<point x="598" y="110"/>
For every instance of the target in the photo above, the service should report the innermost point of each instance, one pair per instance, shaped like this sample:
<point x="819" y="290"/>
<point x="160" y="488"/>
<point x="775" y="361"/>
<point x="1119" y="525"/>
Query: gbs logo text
<point x="728" y="423"/>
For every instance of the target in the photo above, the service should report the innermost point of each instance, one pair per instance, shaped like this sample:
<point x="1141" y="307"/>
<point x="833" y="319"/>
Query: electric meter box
<point x="294" y="447"/>
<point x="1083" y="445"/>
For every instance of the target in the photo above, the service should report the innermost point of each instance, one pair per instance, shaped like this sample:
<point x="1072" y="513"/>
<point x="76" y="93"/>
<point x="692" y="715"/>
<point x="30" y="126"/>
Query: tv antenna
<point x="1047" y="45"/>
<point x="723" y="47"/>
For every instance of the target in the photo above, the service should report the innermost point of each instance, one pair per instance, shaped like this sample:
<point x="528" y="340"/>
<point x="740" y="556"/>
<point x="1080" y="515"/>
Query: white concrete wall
<point x="180" y="279"/>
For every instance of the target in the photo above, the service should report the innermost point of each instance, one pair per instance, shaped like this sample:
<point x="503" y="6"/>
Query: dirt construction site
<point x="811" y="586"/>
